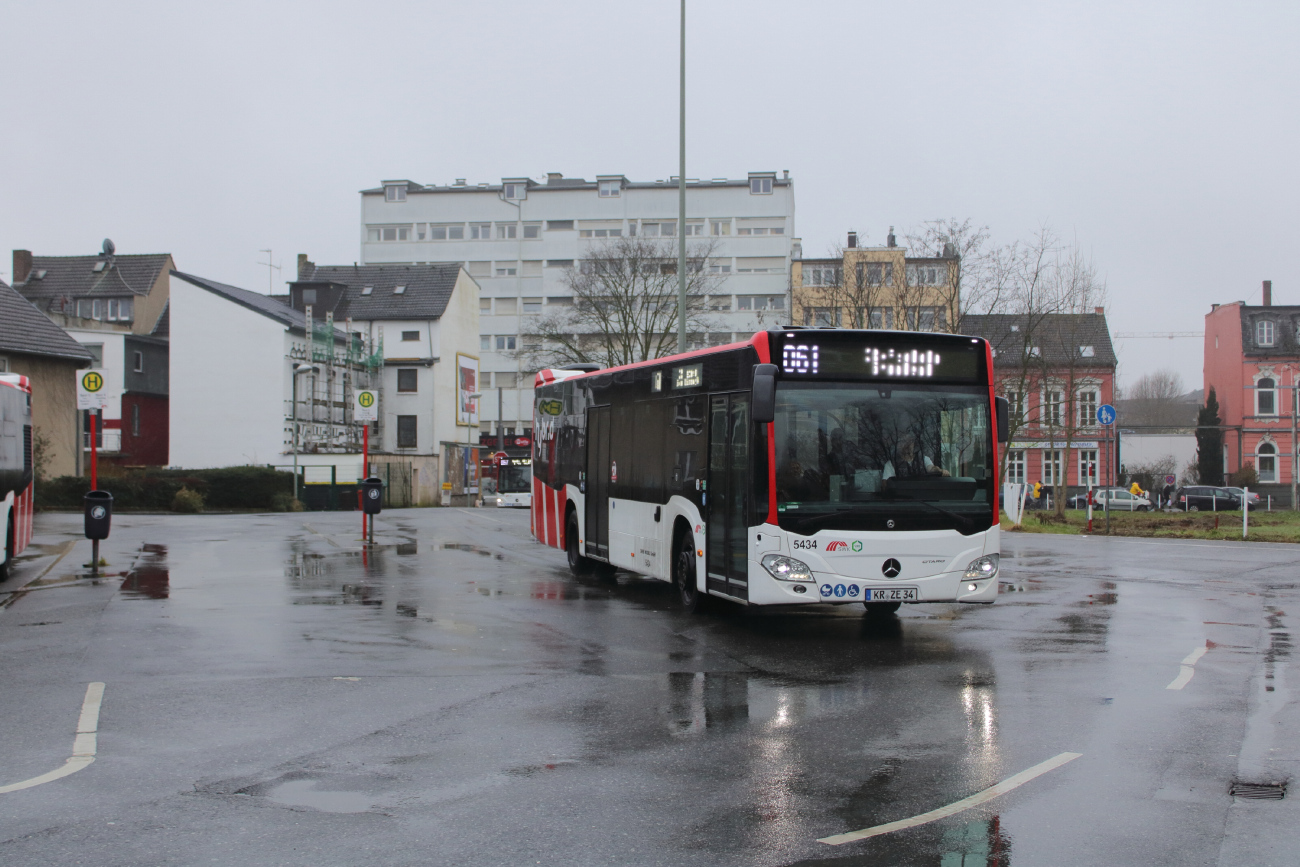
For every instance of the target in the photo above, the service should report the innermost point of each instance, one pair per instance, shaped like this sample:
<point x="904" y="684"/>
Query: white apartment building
<point x="516" y="238"/>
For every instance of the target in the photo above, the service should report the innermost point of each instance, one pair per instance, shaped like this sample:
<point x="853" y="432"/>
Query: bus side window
<point x="648" y="455"/>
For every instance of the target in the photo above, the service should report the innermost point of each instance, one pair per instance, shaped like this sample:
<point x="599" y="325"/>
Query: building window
<point x="694" y="229"/>
<point x="366" y="290"/>
<point x="406" y="432"/>
<point x="1016" y="406"/>
<point x="1087" y="351"/>
<point x="532" y="305"/>
<point x="507" y="270"/>
<point x="1265" y="397"/>
<point x="506" y="380"/>
<point x="1052" y="467"/>
<point x="1264" y="332"/>
<point x="485" y="341"/>
<point x="485" y="305"/>
<point x="760" y="186"/>
<point x="927" y="318"/>
<point x="610" y="189"/>
<point x="515" y="191"/>
<point x="876" y="273"/>
<point x="1087" y="403"/>
<point x="119" y="309"/>
<point x="559" y="225"/>
<point x="414" y="335"/>
<point x="880" y="317"/>
<point x="4" y="364"/>
<point x="760" y="230"/>
<point x="505" y="342"/>
<point x="924" y="275"/>
<point x="601" y="230"/>
<point x="505" y="231"/>
<point x="385" y="234"/>
<point x="719" y="267"/>
<point x="824" y="316"/>
<point x="395" y="193"/>
<point x="480" y="231"/>
<point x="135" y="418"/>
<point x="760" y="302"/>
<point x="1054" y="406"/>
<point x="408" y="380"/>
<point x="139" y="362"/>
<point x="532" y="230"/>
<point x="1016" y="467"/>
<point x="399" y="290"/>
<point x="719" y="227"/>
<point x="821" y="275"/>
<point x="719" y="302"/>
<point x="559" y="300"/>
<point x="507" y="306"/>
<point x="96" y="351"/>
<point x="447" y="233"/>
<point x="1266" y="462"/>
<point x="1088" y="471"/>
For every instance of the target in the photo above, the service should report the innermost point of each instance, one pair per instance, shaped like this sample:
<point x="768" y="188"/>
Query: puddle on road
<point x="303" y="793"/>
<point x="149" y="577"/>
<point x="477" y="549"/>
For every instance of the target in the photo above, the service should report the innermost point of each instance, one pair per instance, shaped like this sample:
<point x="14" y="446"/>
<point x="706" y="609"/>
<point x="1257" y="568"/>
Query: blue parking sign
<point x="1105" y="414"/>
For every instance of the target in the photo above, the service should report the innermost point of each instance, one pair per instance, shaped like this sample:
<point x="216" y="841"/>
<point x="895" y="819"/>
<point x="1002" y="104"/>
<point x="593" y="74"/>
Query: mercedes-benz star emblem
<point x="891" y="568"/>
<point x="890" y="523"/>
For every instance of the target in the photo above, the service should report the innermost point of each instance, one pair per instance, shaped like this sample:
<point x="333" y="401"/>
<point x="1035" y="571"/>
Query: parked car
<point x="1210" y="498"/>
<point x="1253" y="502"/>
<point x="1120" y="500"/>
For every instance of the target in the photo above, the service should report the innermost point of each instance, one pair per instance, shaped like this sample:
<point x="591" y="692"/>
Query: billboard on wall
<point x="466" y="385"/>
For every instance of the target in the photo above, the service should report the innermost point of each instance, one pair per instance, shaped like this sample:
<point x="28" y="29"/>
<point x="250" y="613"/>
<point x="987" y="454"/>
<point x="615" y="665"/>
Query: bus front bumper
<point x="836" y="589"/>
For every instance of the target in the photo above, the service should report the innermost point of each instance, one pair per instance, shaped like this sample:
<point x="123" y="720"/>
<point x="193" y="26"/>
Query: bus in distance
<point x="16" y="469"/>
<point x="800" y="466"/>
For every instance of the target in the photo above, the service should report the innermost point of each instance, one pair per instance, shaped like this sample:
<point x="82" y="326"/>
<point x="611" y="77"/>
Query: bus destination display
<point x="863" y="360"/>
<point x="690" y="376"/>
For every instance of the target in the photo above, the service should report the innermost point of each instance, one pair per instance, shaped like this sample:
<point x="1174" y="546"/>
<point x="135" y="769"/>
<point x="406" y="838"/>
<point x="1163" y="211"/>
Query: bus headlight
<point x="984" y="567"/>
<point x="784" y="568"/>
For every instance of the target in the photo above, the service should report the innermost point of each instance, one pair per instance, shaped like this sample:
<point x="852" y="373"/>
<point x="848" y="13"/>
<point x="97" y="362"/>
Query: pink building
<point x="1252" y="361"/>
<point x="1055" y="371"/>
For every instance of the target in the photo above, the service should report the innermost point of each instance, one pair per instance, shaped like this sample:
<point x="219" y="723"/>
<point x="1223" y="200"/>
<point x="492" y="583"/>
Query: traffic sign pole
<point x="365" y="468"/>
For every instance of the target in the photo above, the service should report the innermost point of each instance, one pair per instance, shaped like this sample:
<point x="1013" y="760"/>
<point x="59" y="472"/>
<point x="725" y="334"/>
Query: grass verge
<point x="1264" y="526"/>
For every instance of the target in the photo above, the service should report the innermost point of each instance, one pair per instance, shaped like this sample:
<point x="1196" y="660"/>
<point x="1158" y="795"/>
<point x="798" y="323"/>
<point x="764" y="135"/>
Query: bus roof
<point x="14" y="380"/>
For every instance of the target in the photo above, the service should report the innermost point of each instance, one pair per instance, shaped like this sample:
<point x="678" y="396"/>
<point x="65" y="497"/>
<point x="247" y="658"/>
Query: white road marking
<point x="952" y="809"/>
<point x="83" y="748"/>
<point x="1189" y="668"/>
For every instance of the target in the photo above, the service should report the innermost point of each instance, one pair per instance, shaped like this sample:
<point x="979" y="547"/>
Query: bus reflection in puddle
<point x="149" y="577"/>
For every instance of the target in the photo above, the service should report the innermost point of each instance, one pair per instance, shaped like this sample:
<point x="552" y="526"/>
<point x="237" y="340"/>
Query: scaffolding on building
<point x="344" y="362"/>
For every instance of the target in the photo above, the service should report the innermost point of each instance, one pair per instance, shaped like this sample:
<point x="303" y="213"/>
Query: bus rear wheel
<point x="10" y="543"/>
<point x="684" y="573"/>
<point x="882" y="609"/>
<point x="578" y="564"/>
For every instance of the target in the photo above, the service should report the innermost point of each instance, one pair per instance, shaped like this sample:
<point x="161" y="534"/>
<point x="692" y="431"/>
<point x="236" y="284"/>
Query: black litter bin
<point x="99" y="514"/>
<point x="372" y="495"/>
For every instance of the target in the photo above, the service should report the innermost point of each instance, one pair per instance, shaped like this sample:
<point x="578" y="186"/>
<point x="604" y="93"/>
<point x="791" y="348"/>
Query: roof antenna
<point x="270" y="266"/>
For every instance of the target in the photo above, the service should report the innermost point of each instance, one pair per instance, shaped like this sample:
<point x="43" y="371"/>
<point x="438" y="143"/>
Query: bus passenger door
<point x="727" y="505"/>
<point x="597" y="491"/>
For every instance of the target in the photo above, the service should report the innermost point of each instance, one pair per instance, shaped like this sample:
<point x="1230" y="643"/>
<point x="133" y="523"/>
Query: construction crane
<point x="1169" y="334"/>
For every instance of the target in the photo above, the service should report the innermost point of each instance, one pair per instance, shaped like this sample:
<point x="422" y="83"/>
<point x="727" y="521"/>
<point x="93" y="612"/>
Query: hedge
<point x="155" y="489"/>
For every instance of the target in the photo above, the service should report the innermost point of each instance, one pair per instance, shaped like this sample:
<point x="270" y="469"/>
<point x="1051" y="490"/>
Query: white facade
<point x="517" y="238"/>
<point x="232" y="369"/>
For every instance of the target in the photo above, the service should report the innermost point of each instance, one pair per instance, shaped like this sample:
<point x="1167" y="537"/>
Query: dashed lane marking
<point x="1188" y="669"/>
<point x="83" y="747"/>
<point x="952" y="809"/>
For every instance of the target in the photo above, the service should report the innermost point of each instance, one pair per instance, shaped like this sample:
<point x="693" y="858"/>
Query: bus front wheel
<point x="882" y="609"/>
<point x="578" y="564"/>
<point x="684" y="572"/>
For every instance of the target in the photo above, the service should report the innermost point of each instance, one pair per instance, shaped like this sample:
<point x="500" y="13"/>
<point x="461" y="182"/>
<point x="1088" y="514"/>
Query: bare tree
<point x="624" y="305"/>
<point x="1157" y="399"/>
<point x="848" y="296"/>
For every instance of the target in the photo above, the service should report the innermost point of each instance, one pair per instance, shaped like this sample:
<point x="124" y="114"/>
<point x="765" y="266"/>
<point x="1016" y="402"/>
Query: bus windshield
<point x="855" y="456"/>
<point x="515" y="479"/>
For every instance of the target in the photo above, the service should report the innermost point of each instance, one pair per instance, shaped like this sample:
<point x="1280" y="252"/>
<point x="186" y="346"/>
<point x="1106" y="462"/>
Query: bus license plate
<point x="894" y="594"/>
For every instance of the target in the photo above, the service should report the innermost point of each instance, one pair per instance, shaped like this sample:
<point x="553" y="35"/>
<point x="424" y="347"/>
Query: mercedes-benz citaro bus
<point x="16" y="469"/>
<point x="801" y="466"/>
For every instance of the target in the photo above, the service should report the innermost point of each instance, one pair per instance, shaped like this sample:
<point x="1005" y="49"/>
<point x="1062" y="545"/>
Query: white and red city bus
<point x="800" y="466"/>
<point x="16" y="470"/>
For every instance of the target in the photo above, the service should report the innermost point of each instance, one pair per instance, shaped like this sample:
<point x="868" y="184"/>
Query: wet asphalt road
<point x="275" y="696"/>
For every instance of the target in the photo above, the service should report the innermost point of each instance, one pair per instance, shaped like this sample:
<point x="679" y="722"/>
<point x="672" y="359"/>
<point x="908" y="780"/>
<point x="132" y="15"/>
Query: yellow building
<point x="877" y="287"/>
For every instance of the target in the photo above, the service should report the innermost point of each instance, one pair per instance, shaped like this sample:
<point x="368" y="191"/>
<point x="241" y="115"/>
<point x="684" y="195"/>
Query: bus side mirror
<point x="1004" y="419"/>
<point x="762" y="402"/>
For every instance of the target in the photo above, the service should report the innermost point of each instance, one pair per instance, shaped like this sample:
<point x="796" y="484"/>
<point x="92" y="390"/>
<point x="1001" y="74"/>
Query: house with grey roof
<point x="33" y="346"/>
<point x="1055" y="370"/>
<point x="424" y="322"/>
<point x="116" y="306"/>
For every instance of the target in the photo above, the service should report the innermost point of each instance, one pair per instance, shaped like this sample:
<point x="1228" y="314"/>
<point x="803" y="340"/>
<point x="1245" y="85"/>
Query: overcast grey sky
<point x="1162" y="138"/>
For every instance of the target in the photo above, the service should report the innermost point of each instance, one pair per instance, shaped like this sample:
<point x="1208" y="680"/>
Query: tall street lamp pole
<point x="681" y="196"/>
<point x="298" y="369"/>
